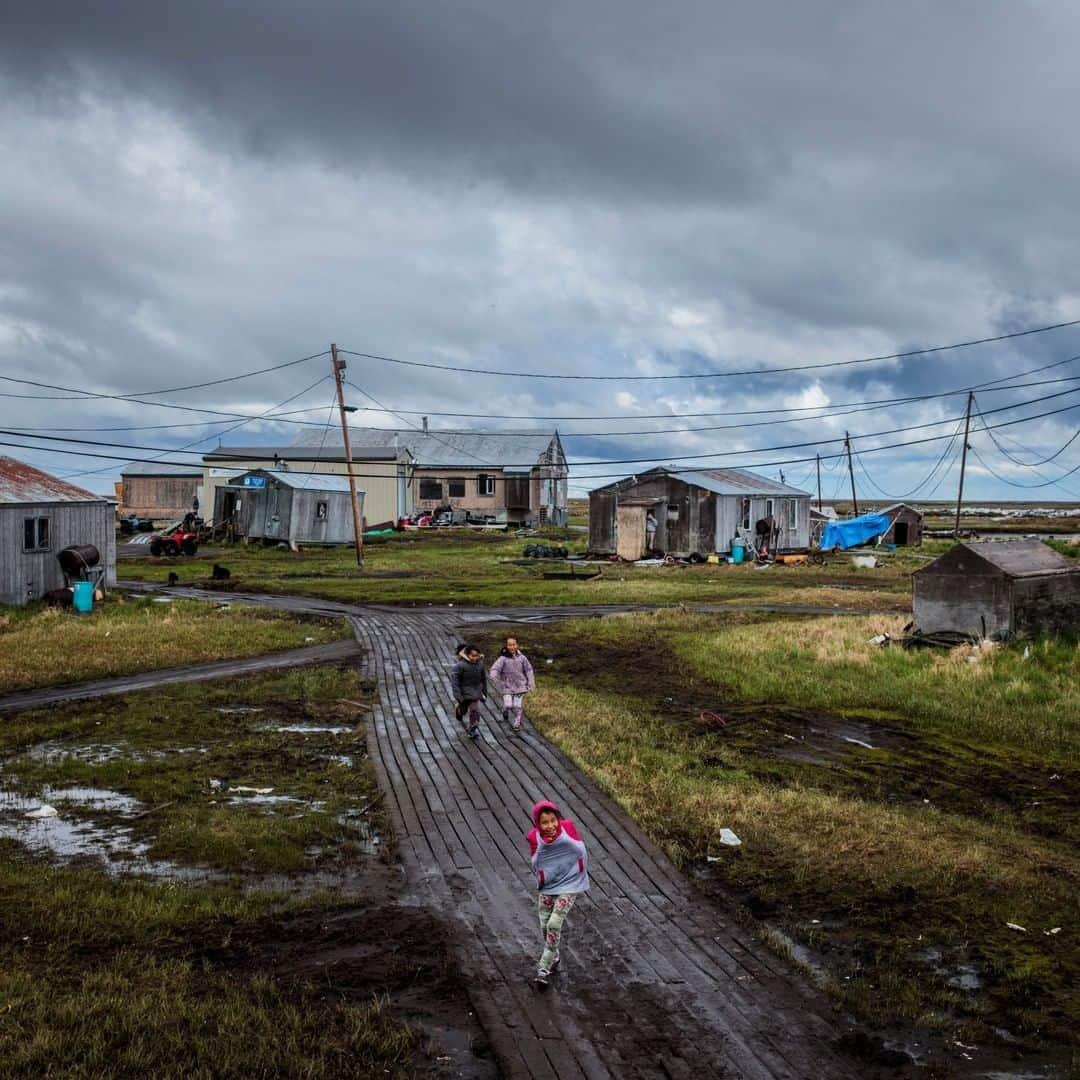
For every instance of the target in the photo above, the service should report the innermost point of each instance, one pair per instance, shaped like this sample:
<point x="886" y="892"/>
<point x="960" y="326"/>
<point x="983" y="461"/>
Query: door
<point x="900" y="535"/>
<point x="630" y="532"/>
<point x="273" y="511"/>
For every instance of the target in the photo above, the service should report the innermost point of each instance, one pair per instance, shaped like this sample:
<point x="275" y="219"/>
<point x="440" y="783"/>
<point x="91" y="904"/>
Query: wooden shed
<point x="40" y="515"/>
<point x="905" y="525"/>
<point x="998" y="589"/>
<point x="159" y="491"/>
<point x="293" y="507"/>
<point x="694" y="513"/>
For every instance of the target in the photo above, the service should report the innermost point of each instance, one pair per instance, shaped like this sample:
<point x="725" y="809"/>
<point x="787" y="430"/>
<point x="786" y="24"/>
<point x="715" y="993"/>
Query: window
<point x="769" y="505"/>
<point x="793" y="514"/>
<point x="36" y="534"/>
<point x="744" y="513"/>
<point x="457" y="488"/>
<point x="485" y="485"/>
<point x="430" y="489"/>
<point x="321" y="509"/>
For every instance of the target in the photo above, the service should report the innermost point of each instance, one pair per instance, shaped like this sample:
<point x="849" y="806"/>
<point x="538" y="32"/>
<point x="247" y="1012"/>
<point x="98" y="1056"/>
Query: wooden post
<point x="358" y="528"/>
<point x="819" y="482"/>
<point x="851" y="473"/>
<point x="963" y="465"/>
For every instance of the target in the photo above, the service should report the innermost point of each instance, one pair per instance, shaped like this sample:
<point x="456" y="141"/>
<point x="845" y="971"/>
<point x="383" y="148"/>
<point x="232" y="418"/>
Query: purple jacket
<point x="513" y="673"/>
<point x="561" y="864"/>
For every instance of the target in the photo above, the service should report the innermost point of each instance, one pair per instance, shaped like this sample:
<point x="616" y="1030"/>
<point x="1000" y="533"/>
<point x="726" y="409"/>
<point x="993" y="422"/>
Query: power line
<point x="1017" y="484"/>
<point x="717" y="374"/>
<point x="765" y="465"/>
<point x="164" y="390"/>
<point x="922" y="483"/>
<point x="1029" y="464"/>
<point x="638" y="461"/>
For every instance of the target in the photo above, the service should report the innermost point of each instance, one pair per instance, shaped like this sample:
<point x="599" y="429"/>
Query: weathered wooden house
<point x="382" y="471"/>
<point x="40" y="515"/>
<point x="518" y="479"/>
<point x="290" y="507"/>
<point x="693" y="513"/>
<point x="998" y="589"/>
<point x="905" y="525"/>
<point x="159" y="491"/>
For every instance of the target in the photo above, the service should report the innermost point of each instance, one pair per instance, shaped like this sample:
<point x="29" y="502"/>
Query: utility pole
<point x="851" y="473"/>
<point x="358" y="528"/>
<point x="819" y="481"/>
<point x="963" y="465"/>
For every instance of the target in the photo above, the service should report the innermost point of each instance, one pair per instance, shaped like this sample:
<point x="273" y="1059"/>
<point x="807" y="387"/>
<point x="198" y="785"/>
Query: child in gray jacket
<point x="470" y="687"/>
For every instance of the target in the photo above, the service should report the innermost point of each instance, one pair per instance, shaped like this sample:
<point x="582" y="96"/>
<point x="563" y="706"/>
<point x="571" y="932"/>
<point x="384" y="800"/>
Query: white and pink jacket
<point x="561" y="864"/>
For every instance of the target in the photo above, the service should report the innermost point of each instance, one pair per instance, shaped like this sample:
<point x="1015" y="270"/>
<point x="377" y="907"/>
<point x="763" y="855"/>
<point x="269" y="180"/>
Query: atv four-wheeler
<point x="177" y="541"/>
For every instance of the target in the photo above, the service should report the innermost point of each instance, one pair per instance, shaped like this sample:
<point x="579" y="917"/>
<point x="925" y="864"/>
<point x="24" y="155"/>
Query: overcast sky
<point x="199" y="190"/>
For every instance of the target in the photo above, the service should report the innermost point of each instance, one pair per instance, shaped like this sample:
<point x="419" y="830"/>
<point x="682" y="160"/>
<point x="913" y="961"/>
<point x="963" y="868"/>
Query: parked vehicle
<point x="177" y="541"/>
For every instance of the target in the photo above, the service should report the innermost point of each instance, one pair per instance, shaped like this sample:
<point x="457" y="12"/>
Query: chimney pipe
<point x="425" y="425"/>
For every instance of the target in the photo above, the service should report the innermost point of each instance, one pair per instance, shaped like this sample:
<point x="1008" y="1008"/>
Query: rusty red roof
<point x="21" y="483"/>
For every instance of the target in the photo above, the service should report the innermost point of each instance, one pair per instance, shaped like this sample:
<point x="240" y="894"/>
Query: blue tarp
<point x="854" y="531"/>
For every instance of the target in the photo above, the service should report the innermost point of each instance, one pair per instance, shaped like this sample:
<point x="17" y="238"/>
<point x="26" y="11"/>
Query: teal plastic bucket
<point x="737" y="552"/>
<point x="83" y="597"/>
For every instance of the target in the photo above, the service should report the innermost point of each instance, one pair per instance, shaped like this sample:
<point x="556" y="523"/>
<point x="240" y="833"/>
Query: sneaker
<point x="542" y="977"/>
<point x="506" y="714"/>
<point x="517" y="724"/>
<point x="554" y="964"/>
<point x="473" y="732"/>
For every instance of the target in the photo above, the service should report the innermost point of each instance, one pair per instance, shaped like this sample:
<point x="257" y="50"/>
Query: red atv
<point x="177" y="541"/>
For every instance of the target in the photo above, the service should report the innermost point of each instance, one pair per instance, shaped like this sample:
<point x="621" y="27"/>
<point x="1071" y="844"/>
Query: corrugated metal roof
<point x="1022" y="558"/>
<point x="300" y="452"/>
<point x="23" y="484"/>
<point x="440" y="449"/>
<point x="156" y="468"/>
<point x="306" y="481"/>
<point x="738" y="482"/>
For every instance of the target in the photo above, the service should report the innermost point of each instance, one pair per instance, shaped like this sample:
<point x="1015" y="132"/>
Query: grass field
<point x="483" y="569"/>
<point x="43" y="646"/>
<point x="897" y="809"/>
<point x="103" y="973"/>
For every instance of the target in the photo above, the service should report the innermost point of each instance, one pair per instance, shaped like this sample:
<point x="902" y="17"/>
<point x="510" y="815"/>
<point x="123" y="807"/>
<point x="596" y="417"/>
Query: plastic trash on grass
<point x="728" y="839"/>
<point x="41" y="812"/>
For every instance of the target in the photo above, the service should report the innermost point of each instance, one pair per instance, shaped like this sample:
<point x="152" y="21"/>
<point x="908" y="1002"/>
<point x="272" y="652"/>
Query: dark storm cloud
<point x="611" y="186"/>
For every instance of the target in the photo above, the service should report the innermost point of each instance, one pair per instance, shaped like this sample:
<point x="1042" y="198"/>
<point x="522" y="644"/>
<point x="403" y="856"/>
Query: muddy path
<point x="216" y="669"/>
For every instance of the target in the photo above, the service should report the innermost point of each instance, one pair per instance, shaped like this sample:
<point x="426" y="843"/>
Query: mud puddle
<point x="68" y="833"/>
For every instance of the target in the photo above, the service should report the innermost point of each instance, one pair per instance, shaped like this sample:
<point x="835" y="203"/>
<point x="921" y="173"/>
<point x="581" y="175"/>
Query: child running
<point x="513" y="674"/>
<point x="561" y="865"/>
<point x="470" y="687"/>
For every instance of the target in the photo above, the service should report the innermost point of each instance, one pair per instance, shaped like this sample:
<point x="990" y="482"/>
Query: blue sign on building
<point x="255" y="481"/>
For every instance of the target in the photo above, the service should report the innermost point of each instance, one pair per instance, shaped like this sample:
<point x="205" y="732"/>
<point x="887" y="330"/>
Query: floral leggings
<point x="553" y="912"/>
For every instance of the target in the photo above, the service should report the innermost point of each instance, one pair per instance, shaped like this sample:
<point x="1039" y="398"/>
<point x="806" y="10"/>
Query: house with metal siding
<point x="998" y="589"/>
<point x="291" y="507"/>
<point x="695" y="513"/>
<point x="40" y="515"/>
<point x="520" y="479"/>
<point x="382" y="471"/>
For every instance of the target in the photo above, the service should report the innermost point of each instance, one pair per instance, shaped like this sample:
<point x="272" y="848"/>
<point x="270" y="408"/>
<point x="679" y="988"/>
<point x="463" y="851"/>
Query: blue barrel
<point x="83" y="595"/>
<point x="736" y="551"/>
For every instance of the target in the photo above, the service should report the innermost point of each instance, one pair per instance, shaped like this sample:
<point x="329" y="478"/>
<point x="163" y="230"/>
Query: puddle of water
<point x="269" y="800"/>
<point x="306" y="729"/>
<point x="348" y="760"/>
<point x="366" y="835"/>
<point x="965" y="978"/>
<point x="73" y="838"/>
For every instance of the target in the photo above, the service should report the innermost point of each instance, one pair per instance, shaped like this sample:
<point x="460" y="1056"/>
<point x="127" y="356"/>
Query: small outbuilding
<point x="694" y="513"/>
<point x="293" y="507"/>
<point x="40" y="516"/>
<point x="905" y="525"/>
<point x="998" y="589"/>
<point x="159" y="491"/>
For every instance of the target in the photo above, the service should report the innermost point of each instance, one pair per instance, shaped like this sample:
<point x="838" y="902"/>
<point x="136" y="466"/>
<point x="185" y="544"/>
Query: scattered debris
<point x="41" y="812"/>
<point x="729" y="838"/>
<point x="864" y="562"/>
<point x="219" y="785"/>
<point x="1015" y="926"/>
<point x="879" y="639"/>
<point x="253" y="790"/>
<point x="1052" y="930"/>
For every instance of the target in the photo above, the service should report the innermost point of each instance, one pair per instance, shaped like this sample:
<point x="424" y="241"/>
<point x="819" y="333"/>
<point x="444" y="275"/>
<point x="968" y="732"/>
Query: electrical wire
<point x="717" y="374"/>
<point x="1015" y="483"/>
<point x="1028" y="464"/>
<point x="922" y="483"/>
<point x="637" y="461"/>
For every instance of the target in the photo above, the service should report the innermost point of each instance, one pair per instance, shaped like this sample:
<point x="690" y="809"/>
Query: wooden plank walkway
<point x="657" y="983"/>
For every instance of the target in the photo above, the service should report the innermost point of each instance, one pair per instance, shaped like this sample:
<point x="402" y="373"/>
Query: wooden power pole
<point x="358" y="528"/>
<point x="819" y="481"/>
<point x="851" y="473"/>
<point x="963" y="466"/>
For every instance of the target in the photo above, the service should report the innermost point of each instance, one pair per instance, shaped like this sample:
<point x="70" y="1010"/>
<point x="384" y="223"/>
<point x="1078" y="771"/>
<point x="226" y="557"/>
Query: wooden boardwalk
<point x="656" y="981"/>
